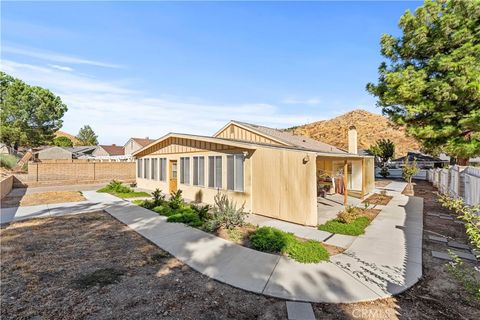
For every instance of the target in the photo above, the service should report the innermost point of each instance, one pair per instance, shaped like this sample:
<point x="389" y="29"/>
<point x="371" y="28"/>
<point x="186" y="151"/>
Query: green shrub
<point x="164" y="210"/>
<point x="158" y="197"/>
<point x="348" y="215"/>
<point x="273" y="240"/>
<point x="116" y="187"/>
<point x="8" y="161"/>
<point x="355" y="228"/>
<point x="269" y="239"/>
<point x="309" y="251"/>
<point x="188" y="217"/>
<point x="138" y="202"/>
<point x="202" y="211"/>
<point x="226" y="214"/>
<point x="176" y="200"/>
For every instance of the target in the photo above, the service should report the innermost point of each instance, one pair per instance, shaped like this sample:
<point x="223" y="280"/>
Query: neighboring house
<point x="108" y="150"/>
<point x="272" y="172"/>
<point x="424" y="161"/>
<point x="64" y="153"/>
<point x="82" y="152"/>
<point x="134" y="144"/>
<point x="54" y="153"/>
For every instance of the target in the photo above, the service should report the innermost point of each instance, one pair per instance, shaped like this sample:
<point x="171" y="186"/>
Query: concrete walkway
<point x="386" y="260"/>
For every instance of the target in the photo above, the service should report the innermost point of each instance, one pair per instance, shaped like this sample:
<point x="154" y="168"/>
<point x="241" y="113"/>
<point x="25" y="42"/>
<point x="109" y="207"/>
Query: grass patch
<point x="117" y="189"/>
<point x="270" y="239"/>
<point x="101" y="277"/>
<point x="354" y="228"/>
<point x="8" y="161"/>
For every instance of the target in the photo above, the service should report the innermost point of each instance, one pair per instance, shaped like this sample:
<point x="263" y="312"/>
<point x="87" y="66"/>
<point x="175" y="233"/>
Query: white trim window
<point x="185" y="170"/>
<point x="199" y="171"/>
<point x="215" y="172"/>
<point x="146" y="167"/>
<point x="154" y="175"/>
<point x="163" y="169"/>
<point x="139" y="168"/>
<point x="235" y="172"/>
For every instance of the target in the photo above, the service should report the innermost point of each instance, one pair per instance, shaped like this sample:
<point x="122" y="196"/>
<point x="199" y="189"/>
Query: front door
<point x="172" y="178"/>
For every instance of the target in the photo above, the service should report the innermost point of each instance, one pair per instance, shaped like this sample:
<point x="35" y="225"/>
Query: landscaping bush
<point x="354" y="228"/>
<point x="116" y="187"/>
<point x="202" y="211"/>
<point x="176" y="200"/>
<point x="158" y="197"/>
<point x="349" y="214"/>
<point x="309" y="251"/>
<point x="225" y="213"/>
<point x="163" y="210"/>
<point x="269" y="239"/>
<point x="188" y="217"/>
<point x="8" y="161"/>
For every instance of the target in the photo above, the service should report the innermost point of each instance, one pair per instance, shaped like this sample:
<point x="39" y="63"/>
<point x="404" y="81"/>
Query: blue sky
<point x="145" y="69"/>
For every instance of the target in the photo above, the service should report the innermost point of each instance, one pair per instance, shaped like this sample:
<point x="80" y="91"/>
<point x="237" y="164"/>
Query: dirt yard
<point x="35" y="199"/>
<point x="92" y="266"/>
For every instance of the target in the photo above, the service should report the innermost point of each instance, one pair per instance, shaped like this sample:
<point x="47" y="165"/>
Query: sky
<point x="143" y="69"/>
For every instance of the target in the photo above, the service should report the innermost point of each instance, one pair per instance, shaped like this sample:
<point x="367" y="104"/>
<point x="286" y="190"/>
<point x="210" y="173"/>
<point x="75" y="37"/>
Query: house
<point x="274" y="173"/>
<point x="134" y="144"/>
<point x="108" y="151"/>
<point x="424" y="161"/>
<point x="54" y="153"/>
<point x="64" y="153"/>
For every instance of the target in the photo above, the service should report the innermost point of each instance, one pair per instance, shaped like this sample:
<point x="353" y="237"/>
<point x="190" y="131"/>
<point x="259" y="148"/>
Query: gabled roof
<point x="113" y="150"/>
<point x="142" y="141"/>
<point x="289" y="139"/>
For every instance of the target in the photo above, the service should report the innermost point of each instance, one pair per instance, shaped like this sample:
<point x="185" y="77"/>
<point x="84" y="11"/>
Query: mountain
<point x="370" y="128"/>
<point x="68" y="135"/>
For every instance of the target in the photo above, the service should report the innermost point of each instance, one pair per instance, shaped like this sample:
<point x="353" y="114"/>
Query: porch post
<point x="345" y="181"/>
<point x="363" y="178"/>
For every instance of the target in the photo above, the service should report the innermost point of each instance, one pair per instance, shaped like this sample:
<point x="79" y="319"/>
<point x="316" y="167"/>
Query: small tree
<point x="62" y="142"/>
<point x="87" y="136"/>
<point x="409" y="170"/>
<point x="384" y="150"/>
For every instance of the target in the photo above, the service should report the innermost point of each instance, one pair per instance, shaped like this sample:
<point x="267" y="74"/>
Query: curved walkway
<point x="385" y="261"/>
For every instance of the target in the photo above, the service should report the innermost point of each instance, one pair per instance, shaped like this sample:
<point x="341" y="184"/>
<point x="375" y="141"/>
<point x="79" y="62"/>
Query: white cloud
<point x="311" y="101"/>
<point x="63" y="68"/>
<point x="117" y="113"/>
<point x="55" y="57"/>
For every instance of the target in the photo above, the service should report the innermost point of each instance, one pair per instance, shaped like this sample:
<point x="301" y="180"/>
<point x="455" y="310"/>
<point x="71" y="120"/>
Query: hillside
<point x="68" y="135"/>
<point x="370" y="128"/>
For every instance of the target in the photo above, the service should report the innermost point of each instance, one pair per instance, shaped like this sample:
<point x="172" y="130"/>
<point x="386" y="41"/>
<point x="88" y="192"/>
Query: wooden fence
<point x="457" y="182"/>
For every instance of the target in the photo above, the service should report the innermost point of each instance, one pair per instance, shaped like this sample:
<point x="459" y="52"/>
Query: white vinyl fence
<point x="457" y="181"/>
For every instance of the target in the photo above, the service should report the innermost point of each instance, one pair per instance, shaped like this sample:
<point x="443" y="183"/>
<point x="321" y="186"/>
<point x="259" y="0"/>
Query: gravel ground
<point x="91" y="266"/>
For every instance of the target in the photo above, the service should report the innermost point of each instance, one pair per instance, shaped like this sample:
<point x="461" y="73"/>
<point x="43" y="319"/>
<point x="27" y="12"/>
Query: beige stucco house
<point x="134" y="144"/>
<point x="275" y="173"/>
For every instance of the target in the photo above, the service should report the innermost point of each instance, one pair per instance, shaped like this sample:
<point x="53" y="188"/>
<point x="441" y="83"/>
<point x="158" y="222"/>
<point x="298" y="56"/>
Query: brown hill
<point x="370" y="128"/>
<point x="69" y="136"/>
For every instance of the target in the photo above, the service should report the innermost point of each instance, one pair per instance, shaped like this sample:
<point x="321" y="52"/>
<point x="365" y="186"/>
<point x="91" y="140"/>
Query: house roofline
<point x="253" y="130"/>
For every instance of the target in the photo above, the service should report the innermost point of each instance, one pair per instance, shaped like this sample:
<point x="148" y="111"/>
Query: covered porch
<point x="342" y="181"/>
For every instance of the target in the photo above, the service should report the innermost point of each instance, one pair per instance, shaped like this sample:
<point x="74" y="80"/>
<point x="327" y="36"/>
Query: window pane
<point x="230" y="173"/>
<point x="182" y="170"/>
<point x="139" y="167"/>
<point x="218" y="172"/>
<point x="154" y="169"/>
<point x="239" y="172"/>
<point x="146" y="173"/>
<point x="211" y="172"/>
<point x="187" y="171"/>
<point x="195" y="171"/>
<point x="201" y="171"/>
<point x="164" y="170"/>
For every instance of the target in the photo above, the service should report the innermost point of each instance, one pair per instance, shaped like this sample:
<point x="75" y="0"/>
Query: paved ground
<point x="385" y="261"/>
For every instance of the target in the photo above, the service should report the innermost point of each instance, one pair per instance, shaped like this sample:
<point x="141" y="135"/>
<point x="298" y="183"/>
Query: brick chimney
<point x="352" y="140"/>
